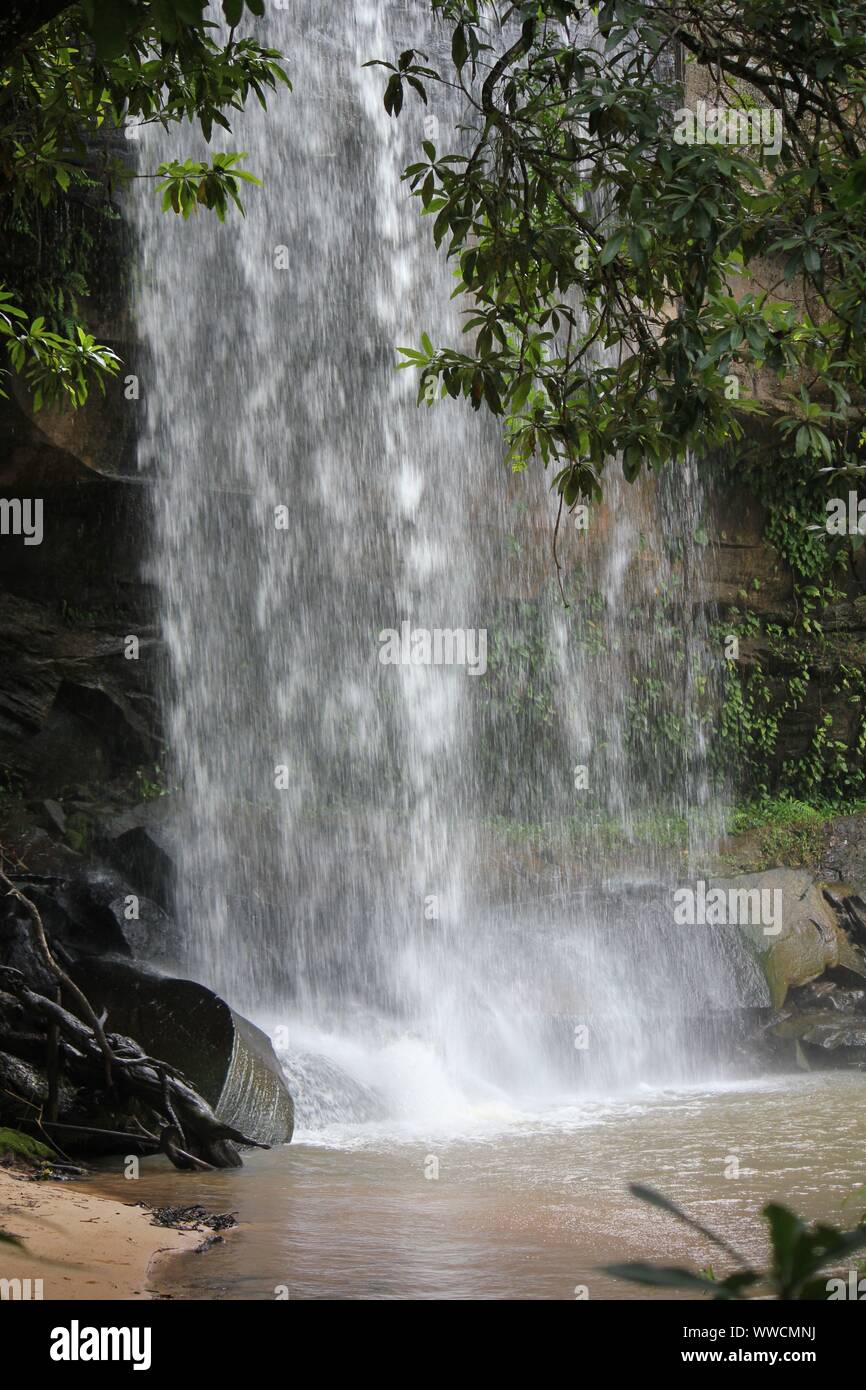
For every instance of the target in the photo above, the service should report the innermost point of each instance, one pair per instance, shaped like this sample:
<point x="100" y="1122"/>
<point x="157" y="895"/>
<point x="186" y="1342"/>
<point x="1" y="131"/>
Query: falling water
<point x="393" y="863"/>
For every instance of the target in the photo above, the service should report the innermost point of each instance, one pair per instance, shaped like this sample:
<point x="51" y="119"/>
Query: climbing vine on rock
<point x="806" y="665"/>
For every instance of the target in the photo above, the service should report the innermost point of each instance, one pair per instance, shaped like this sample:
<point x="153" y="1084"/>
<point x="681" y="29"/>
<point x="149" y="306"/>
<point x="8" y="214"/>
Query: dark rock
<point x="828" y="1031"/>
<point x="229" y="1061"/>
<point x="99" y="894"/>
<point x="816" y="992"/>
<point x="92" y="910"/>
<point x="28" y="844"/>
<point x="24" y="1091"/>
<point x="844" y="852"/>
<point x="72" y="914"/>
<point x="824" y="994"/>
<point x="54" y="811"/>
<point x="851" y="910"/>
<point x="72" y="708"/>
<point x="140" y="845"/>
<point x="847" y="1001"/>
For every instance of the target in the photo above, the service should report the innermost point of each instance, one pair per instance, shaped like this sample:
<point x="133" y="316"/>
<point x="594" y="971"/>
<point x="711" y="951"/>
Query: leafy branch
<point x="629" y="291"/>
<point x="193" y="184"/>
<point x="57" y="369"/>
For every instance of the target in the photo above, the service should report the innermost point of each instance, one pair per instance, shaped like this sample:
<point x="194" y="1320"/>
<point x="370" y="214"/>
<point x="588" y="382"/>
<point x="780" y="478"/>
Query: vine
<point x="796" y="662"/>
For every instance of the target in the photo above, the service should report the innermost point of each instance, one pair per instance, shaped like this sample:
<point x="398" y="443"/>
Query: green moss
<point x="779" y="831"/>
<point x="19" y="1145"/>
<point x="78" y="831"/>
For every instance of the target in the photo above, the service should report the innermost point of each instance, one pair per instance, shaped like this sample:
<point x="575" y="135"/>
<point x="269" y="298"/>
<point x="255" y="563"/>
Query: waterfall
<point x="392" y="863"/>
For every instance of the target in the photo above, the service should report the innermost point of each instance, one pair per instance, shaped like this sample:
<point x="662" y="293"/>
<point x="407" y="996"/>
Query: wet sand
<point x="80" y="1243"/>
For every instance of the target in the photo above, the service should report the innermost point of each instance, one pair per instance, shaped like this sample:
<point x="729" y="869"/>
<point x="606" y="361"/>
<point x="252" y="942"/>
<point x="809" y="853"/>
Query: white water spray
<point x="357" y="856"/>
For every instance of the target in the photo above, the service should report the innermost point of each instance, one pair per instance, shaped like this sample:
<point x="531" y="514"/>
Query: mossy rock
<point x="79" y="830"/>
<point x="13" y="1142"/>
<point x="810" y="938"/>
<point x="827" y="1029"/>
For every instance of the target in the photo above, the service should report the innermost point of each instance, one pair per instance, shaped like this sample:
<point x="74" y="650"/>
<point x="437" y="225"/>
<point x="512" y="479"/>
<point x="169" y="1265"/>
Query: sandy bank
<point x="81" y="1245"/>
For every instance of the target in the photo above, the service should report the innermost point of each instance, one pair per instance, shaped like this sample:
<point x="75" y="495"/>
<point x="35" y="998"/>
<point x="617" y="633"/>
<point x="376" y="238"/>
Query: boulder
<point x="830" y="1031"/>
<point x="812" y="939"/>
<point x="99" y="894"/>
<point x="142" y="844"/>
<point x="228" y="1060"/>
<point x="89" y="909"/>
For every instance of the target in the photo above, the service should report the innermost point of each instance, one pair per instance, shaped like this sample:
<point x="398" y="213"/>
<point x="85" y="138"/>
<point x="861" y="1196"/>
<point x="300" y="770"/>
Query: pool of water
<point x="514" y="1205"/>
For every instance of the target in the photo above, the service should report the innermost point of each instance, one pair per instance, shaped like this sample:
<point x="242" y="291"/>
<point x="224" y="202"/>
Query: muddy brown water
<point x="518" y="1206"/>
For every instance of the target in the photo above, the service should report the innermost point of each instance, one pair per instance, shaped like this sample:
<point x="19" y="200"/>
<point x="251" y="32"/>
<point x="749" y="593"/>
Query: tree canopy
<point x="71" y="75"/>
<point x="635" y="278"/>
<point x="633" y="271"/>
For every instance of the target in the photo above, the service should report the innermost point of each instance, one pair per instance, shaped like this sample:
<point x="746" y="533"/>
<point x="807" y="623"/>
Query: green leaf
<point x="664" y="1276"/>
<point x="520" y="392"/>
<point x="110" y="29"/>
<point x="459" y="47"/>
<point x="612" y="247"/>
<point x="655" y="1199"/>
<point x="786" y="1231"/>
<point x="393" y="98"/>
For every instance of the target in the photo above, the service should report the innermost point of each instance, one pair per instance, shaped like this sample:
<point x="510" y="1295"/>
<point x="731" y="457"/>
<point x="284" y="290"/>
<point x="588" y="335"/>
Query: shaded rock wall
<point x="81" y="669"/>
<point x="748" y="578"/>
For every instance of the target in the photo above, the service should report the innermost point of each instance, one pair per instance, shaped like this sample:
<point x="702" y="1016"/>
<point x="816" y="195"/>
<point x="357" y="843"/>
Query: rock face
<point x="813" y="967"/>
<point x="843" y="854"/>
<point x="808" y="935"/>
<point x="746" y="573"/>
<point x="83" y="902"/>
<point x="78" y="701"/>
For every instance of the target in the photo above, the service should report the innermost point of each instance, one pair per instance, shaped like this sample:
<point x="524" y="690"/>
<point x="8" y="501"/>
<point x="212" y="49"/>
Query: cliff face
<point x="82" y="665"/>
<point x="796" y="693"/>
<point x="77" y="701"/>
<point x="78" y="709"/>
<point x="79" y="644"/>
